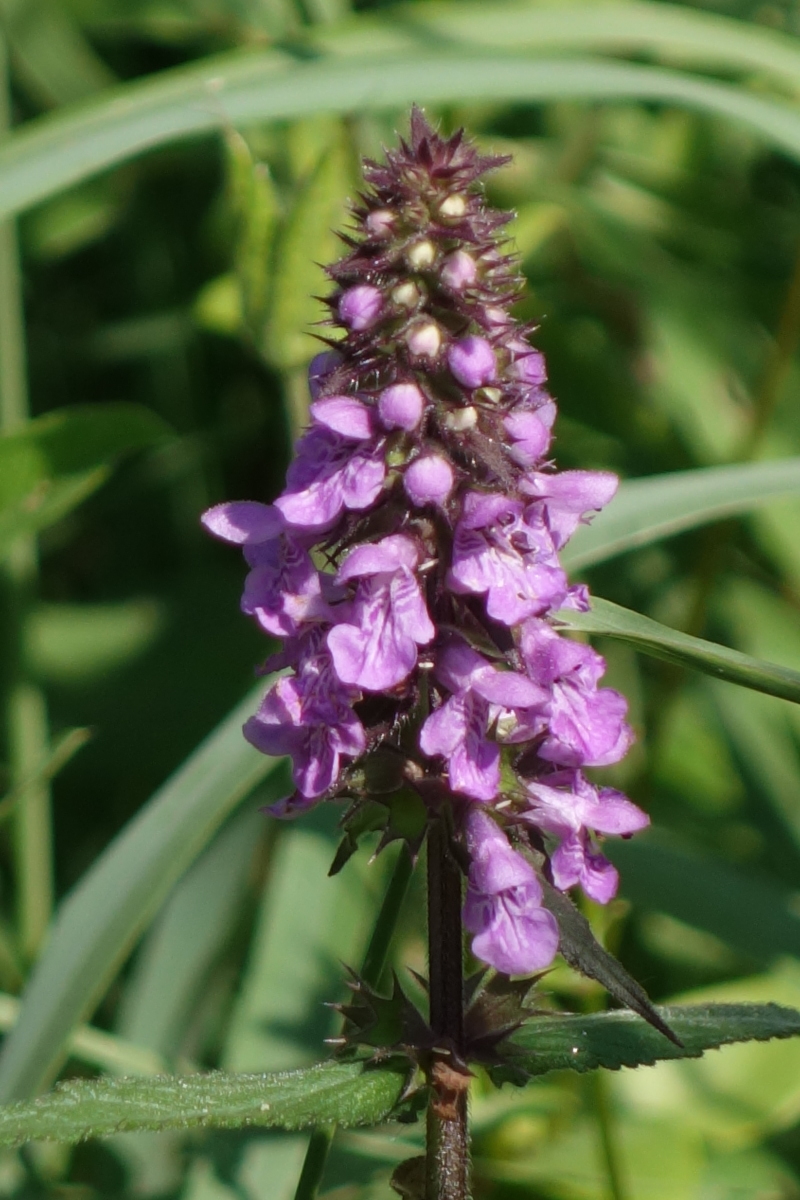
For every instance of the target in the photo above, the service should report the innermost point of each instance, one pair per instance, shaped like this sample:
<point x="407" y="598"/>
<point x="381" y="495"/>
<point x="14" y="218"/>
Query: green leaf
<point x="575" y="1042"/>
<point x="751" y="915"/>
<point x="660" y="641"/>
<point x="645" y="510"/>
<point x="702" y="38"/>
<point x="101" y="918"/>
<point x="52" y="463"/>
<point x="53" y="152"/>
<point x="307" y="239"/>
<point x="348" y="1093"/>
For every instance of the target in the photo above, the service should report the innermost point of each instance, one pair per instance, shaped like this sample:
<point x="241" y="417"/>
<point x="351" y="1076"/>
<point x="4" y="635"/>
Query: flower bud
<point x="462" y="419"/>
<point x="406" y="294"/>
<point x="424" y="341"/>
<point x="429" y="480"/>
<point x="360" y="306"/>
<point x="421" y="254"/>
<point x="459" y="271"/>
<point x="472" y="361"/>
<point x="401" y="406"/>
<point x="379" y="223"/>
<point x="453" y="206"/>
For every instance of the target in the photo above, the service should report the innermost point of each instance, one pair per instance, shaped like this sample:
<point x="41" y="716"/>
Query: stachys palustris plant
<point x="411" y="566"/>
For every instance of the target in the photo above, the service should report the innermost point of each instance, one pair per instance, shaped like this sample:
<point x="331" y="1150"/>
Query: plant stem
<point x="447" y="1156"/>
<point x="25" y="710"/>
<point x="608" y="1140"/>
<point x="371" y="970"/>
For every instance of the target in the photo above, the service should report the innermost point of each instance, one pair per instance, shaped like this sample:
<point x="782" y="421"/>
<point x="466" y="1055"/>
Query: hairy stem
<point x="447" y="1157"/>
<point x="371" y="969"/>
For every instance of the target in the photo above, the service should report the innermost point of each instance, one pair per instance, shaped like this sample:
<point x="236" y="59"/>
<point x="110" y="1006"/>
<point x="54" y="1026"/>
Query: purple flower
<point x="359" y="307"/>
<point x="484" y="697"/>
<point x="586" y="725"/>
<point x="330" y="473"/>
<point x="571" y="808"/>
<point x="376" y="646"/>
<point x="503" y="905"/>
<point x="504" y="550"/>
<point x="401" y="406"/>
<point x="284" y="589"/>
<point x="428" y="480"/>
<point x="472" y="361"/>
<point x="345" y="415"/>
<point x="568" y="495"/>
<point x="310" y="717"/>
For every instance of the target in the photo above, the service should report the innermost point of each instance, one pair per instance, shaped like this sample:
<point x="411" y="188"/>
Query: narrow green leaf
<point x="660" y="641"/>
<point x="99" y="921"/>
<point x="576" y="1042"/>
<point x="53" y="152"/>
<point x="688" y="35"/>
<point x="751" y="915"/>
<point x="645" y="510"/>
<point x="52" y="463"/>
<point x="348" y="1093"/>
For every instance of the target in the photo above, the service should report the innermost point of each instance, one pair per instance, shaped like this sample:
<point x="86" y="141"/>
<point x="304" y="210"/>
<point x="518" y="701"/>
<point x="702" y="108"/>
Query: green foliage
<point x="176" y="202"/>
<point x="348" y="1093"/>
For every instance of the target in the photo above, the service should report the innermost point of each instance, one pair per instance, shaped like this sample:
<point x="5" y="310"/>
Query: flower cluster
<point x="411" y="563"/>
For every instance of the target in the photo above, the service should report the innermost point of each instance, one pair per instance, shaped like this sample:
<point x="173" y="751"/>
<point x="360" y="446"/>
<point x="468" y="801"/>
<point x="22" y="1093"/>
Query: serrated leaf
<point x="579" y="947"/>
<point x="646" y="510"/>
<point x="660" y="641"/>
<point x="347" y="1093"/>
<point x="620" y="1039"/>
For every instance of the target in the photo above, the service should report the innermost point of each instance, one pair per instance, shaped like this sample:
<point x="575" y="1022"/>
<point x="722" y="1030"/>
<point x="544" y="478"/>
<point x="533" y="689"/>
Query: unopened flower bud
<point x="528" y="364"/>
<point x="429" y="480"/>
<point x="379" y="223"/>
<point x="421" y="254"/>
<point x="401" y="406"/>
<point x="425" y="341"/>
<point x="453" y="206"/>
<point x="462" y="419"/>
<point x="406" y="294"/>
<point x="472" y="361"/>
<point x="360" y="306"/>
<point x="459" y="271"/>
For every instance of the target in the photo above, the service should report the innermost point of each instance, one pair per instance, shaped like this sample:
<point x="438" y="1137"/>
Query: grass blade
<point x="53" y="152"/>
<point x="645" y="510"/>
<point x="650" y="637"/>
<point x="99" y="921"/>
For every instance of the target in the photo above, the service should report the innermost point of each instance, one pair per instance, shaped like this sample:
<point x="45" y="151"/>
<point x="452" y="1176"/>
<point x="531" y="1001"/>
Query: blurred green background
<point x="661" y="241"/>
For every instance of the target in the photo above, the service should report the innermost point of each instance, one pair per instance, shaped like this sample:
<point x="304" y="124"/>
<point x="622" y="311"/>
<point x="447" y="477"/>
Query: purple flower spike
<point x="503" y="905"/>
<point x="376" y="647"/>
<point x="421" y="510"/>
<point x="429" y="480"/>
<point x="401" y="406"/>
<point x="359" y="307"/>
<point x="472" y="361"/>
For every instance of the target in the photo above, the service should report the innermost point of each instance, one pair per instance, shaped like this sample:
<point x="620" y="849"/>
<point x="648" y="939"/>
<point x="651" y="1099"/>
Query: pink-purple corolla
<point x="412" y="562"/>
